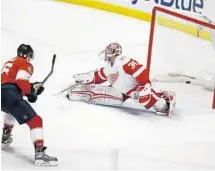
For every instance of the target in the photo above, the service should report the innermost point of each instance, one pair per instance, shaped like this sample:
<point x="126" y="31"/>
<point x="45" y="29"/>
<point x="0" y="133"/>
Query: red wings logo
<point x="112" y="78"/>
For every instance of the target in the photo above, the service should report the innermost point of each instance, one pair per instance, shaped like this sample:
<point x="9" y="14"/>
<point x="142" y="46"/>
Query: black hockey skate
<point x="42" y="159"/>
<point x="6" y="138"/>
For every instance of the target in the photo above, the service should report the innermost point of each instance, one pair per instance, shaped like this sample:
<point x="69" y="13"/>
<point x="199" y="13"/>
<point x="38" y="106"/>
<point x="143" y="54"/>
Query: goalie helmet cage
<point x="180" y="16"/>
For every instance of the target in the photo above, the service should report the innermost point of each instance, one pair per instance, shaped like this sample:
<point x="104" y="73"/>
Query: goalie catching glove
<point x="84" y="78"/>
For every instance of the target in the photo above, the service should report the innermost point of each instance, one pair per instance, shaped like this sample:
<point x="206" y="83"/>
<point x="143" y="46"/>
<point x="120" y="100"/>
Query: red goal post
<point x="180" y="16"/>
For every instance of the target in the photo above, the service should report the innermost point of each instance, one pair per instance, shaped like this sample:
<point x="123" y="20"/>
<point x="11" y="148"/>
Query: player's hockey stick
<point x="39" y="84"/>
<point x="52" y="70"/>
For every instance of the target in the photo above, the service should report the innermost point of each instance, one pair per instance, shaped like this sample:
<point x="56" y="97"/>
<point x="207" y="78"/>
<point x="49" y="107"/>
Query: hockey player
<point x="15" y="84"/>
<point x="126" y="79"/>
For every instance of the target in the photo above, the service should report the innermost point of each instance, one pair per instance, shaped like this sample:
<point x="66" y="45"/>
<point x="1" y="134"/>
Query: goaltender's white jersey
<point x="125" y="74"/>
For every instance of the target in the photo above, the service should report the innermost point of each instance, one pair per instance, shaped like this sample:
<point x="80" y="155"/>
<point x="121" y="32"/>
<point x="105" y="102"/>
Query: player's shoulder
<point x="30" y="68"/>
<point x="24" y="64"/>
<point x="122" y="60"/>
<point x="22" y="61"/>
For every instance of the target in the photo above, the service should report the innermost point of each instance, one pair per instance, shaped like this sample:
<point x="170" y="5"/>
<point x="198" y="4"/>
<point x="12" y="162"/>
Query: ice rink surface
<point x="93" y="137"/>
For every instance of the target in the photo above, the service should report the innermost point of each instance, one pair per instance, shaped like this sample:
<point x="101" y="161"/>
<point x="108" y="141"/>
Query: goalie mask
<point x="112" y="50"/>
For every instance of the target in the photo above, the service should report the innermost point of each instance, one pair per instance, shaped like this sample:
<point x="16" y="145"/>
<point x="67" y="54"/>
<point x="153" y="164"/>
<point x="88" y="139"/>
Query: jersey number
<point x="132" y="64"/>
<point x="6" y="68"/>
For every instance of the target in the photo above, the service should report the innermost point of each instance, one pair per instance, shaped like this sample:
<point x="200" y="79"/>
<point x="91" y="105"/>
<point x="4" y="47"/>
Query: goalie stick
<point x="154" y="79"/>
<point x="206" y="82"/>
<point x="174" y="74"/>
<point x="70" y="87"/>
<point x="74" y="85"/>
<point x="174" y="77"/>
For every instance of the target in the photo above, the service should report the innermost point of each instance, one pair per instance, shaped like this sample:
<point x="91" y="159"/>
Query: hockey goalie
<point x="122" y="78"/>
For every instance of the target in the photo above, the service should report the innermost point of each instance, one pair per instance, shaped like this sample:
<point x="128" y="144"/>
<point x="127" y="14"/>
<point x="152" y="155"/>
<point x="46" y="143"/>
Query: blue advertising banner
<point x="186" y="5"/>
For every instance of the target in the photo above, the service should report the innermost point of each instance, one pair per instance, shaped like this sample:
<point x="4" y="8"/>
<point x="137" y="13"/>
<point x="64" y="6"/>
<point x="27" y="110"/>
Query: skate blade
<point x="44" y="163"/>
<point x="4" y="146"/>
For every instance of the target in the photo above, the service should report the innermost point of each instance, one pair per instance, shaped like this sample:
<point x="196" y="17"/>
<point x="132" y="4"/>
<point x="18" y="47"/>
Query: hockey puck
<point x="188" y="82"/>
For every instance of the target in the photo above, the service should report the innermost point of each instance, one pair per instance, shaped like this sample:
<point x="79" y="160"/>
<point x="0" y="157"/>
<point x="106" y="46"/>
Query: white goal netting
<point x="182" y="50"/>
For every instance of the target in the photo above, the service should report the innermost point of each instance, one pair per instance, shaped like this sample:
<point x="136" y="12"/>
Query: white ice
<point x="95" y="137"/>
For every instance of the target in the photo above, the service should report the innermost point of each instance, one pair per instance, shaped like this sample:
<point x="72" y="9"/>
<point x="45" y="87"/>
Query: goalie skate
<point x="6" y="138"/>
<point x="42" y="159"/>
<point x="171" y="100"/>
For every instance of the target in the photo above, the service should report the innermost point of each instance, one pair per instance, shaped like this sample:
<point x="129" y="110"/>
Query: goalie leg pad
<point x="168" y="108"/>
<point x="96" y="94"/>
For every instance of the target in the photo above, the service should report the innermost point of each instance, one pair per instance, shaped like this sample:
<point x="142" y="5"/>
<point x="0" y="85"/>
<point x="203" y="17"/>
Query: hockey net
<point x="181" y="52"/>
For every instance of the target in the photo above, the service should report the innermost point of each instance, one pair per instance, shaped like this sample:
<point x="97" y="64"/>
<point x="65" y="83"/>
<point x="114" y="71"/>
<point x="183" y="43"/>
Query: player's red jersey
<point x="18" y="71"/>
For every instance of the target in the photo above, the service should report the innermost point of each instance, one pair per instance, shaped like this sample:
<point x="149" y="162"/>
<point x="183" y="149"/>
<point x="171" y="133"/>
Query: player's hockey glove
<point x="38" y="87"/>
<point x="33" y="96"/>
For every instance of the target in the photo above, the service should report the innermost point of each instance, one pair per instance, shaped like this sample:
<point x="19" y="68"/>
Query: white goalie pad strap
<point x="96" y="94"/>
